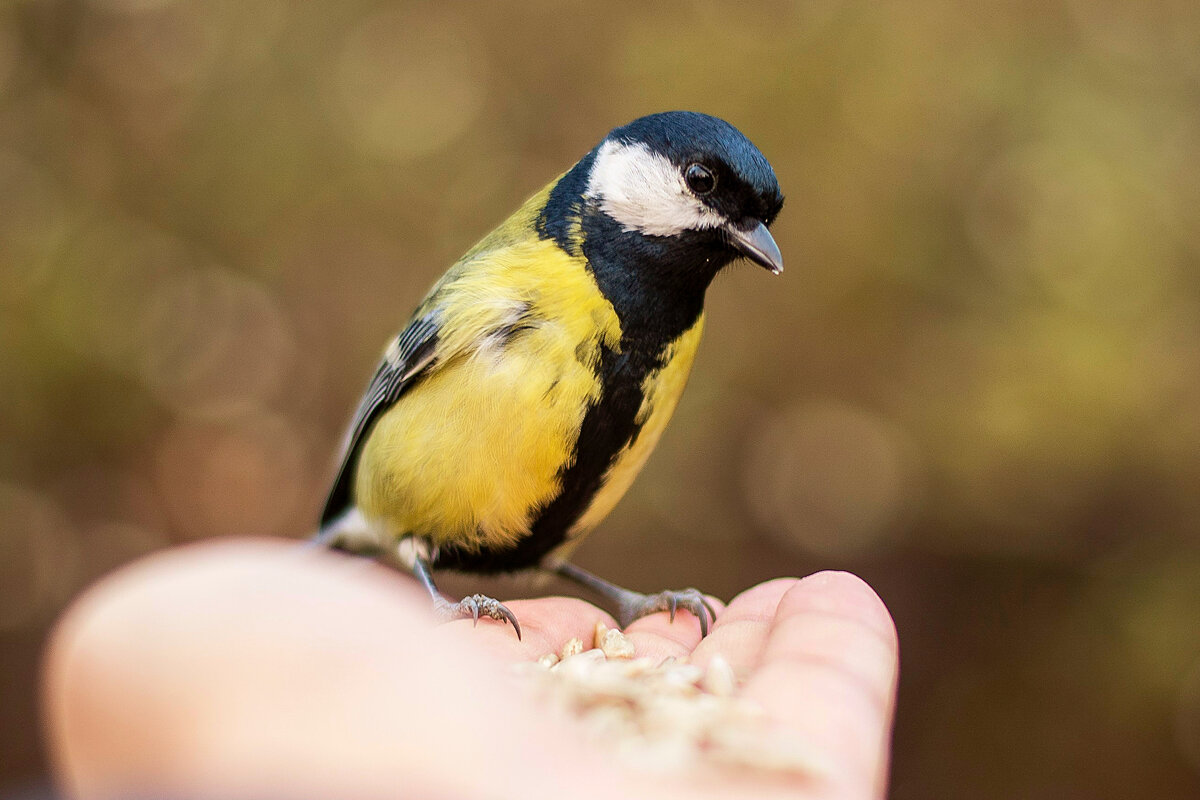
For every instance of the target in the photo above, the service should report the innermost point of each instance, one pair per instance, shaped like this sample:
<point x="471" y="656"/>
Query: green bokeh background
<point x="977" y="384"/>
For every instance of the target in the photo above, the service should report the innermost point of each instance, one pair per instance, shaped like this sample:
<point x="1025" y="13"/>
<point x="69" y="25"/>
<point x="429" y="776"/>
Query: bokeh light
<point x="830" y="478"/>
<point x="407" y="83"/>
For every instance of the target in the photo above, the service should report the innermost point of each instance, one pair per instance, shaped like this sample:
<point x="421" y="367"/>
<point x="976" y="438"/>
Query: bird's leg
<point x="474" y="606"/>
<point x="635" y="605"/>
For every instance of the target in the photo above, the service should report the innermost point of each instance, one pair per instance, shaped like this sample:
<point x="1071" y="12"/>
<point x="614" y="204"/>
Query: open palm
<point x="248" y="668"/>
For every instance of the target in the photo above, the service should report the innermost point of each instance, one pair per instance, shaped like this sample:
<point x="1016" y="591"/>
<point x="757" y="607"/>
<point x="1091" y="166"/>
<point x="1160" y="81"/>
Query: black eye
<point x="700" y="178"/>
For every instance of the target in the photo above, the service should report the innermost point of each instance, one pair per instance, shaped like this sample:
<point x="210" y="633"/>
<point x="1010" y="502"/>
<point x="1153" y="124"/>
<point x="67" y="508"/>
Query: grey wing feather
<point x="410" y="355"/>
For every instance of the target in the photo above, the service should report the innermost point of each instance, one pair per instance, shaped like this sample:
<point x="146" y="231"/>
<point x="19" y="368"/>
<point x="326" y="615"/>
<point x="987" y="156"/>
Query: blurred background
<point x="977" y="384"/>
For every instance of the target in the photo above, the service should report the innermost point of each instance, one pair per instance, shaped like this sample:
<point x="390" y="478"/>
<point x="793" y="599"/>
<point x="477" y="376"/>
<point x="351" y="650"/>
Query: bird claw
<point x="641" y="605"/>
<point x="474" y="606"/>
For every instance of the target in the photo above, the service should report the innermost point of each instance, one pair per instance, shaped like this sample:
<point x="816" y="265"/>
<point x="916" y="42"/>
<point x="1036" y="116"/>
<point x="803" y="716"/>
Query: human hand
<point x="254" y="668"/>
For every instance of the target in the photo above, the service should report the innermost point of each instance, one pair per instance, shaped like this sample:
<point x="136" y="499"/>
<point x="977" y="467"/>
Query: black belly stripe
<point x="608" y="426"/>
<point x="656" y="286"/>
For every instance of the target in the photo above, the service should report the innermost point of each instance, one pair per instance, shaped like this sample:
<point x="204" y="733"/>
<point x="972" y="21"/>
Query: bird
<point x="528" y="388"/>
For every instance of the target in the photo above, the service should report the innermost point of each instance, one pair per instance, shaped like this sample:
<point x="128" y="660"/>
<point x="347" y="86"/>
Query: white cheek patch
<point x="645" y="192"/>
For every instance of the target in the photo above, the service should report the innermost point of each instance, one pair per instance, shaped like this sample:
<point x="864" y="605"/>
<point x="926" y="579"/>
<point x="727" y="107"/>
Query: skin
<point x="255" y="669"/>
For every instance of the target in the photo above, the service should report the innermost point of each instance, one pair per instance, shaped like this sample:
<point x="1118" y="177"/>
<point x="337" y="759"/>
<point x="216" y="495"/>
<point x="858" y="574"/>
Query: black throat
<point x="656" y="284"/>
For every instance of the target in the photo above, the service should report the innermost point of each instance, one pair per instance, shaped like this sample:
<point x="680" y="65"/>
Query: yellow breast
<point x="477" y="445"/>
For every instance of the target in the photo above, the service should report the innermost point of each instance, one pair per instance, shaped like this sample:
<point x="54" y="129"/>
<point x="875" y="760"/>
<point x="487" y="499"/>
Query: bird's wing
<point x="480" y="296"/>
<point x="410" y="354"/>
<point x="463" y="312"/>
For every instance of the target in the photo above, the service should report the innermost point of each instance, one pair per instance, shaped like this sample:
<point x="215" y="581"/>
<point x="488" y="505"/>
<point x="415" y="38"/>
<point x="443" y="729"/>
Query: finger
<point x="741" y="629"/>
<point x="657" y="636"/>
<point x="828" y="673"/>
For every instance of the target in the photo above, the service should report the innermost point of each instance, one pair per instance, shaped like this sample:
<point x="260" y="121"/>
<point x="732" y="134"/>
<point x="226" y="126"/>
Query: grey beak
<point x="757" y="245"/>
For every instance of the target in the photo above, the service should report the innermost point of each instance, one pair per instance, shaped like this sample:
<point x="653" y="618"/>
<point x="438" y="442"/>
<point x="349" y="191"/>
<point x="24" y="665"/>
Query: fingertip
<point x="829" y="670"/>
<point x="844" y="594"/>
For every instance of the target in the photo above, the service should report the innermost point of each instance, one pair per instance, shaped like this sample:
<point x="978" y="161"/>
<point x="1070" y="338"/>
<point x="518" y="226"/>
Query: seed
<point x="616" y="644"/>
<point x="719" y="679"/>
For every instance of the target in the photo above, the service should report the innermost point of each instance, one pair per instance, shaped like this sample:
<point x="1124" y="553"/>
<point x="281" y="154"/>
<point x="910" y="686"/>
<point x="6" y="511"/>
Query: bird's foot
<point x="634" y="605"/>
<point x="473" y="607"/>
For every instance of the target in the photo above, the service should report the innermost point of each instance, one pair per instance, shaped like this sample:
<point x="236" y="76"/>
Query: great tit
<point x="530" y="385"/>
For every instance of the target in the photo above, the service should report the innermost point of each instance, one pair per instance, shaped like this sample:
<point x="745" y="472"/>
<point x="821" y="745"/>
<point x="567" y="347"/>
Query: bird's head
<point x="690" y="179"/>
